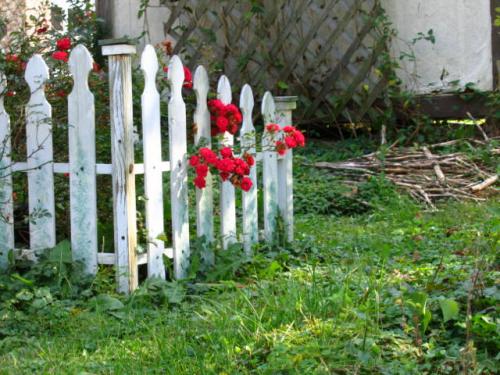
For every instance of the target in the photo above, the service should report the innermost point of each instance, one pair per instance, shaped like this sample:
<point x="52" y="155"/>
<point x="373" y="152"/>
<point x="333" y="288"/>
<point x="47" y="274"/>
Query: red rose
<point x="221" y="124"/>
<point x="249" y="159"/>
<point x="280" y="147"/>
<point x="224" y="176"/>
<point x="42" y="29"/>
<point x="188" y="78"/>
<point x="290" y="142"/>
<point x="272" y="128"/>
<point x="208" y="155"/>
<point x="61" y="93"/>
<point x="299" y="138"/>
<point x="200" y="182"/>
<point x="63" y="44"/>
<point x="95" y="67"/>
<point x="246" y="184"/>
<point x="11" y="58"/>
<point x="10" y="93"/>
<point x="289" y="129"/>
<point x="194" y="161"/>
<point x="226" y="153"/>
<point x="60" y="55"/>
<point x="202" y="170"/>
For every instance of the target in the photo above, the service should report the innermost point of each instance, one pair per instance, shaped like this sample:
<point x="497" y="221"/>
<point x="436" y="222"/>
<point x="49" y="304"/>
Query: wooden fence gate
<point x="82" y="167"/>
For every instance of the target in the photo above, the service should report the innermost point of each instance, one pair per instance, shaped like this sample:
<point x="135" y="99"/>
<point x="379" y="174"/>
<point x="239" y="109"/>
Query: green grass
<point x="372" y="293"/>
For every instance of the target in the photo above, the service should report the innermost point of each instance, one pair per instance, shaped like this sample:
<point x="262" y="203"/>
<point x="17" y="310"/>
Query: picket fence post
<point x="227" y="193"/>
<point x="122" y="150"/>
<point x="249" y="198"/>
<point x="153" y="175"/>
<point x="284" y="107"/>
<point x="6" y="199"/>
<point x="202" y="136"/>
<point x="40" y="158"/>
<point x="269" y="169"/>
<point x="82" y="162"/>
<point x="178" y="168"/>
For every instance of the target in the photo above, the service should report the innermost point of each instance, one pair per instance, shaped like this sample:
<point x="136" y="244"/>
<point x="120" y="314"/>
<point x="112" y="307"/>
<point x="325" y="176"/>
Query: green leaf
<point x="104" y="302"/>
<point x="61" y="253"/>
<point x="450" y="309"/>
<point x="282" y="85"/>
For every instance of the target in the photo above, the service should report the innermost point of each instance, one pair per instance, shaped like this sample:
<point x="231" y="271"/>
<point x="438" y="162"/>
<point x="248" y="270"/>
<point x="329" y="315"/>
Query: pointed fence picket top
<point x="202" y="136"/>
<point x="269" y="169"/>
<point x="178" y="165"/>
<point x="227" y="194"/>
<point x="40" y="157"/>
<point x="249" y="199"/>
<point x="6" y="199"/>
<point x="153" y="176"/>
<point x="82" y="160"/>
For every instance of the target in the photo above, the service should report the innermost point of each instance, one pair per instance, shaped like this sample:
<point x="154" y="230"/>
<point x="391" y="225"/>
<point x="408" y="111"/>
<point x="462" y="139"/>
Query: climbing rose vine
<point x="289" y="139"/>
<point x="224" y="117"/>
<point x="225" y="164"/>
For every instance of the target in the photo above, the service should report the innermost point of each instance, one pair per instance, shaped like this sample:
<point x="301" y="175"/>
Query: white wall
<point x="127" y="23"/>
<point x="463" y="42"/>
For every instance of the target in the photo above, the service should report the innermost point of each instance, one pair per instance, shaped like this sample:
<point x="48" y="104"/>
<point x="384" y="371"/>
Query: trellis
<point x="82" y="168"/>
<point x="327" y="51"/>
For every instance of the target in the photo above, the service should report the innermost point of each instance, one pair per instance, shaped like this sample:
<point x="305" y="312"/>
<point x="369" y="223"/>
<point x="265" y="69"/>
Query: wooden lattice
<point x="325" y="51"/>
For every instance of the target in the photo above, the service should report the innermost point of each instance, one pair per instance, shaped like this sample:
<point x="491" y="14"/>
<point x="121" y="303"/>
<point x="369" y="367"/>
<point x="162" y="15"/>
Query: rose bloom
<point x="246" y="184"/>
<point x="200" y="182"/>
<point x="194" y="161"/>
<point x="202" y="170"/>
<point x="63" y="44"/>
<point x="208" y="155"/>
<point x="226" y="153"/>
<point x="60" y="55"/>
<point x="272" y="128"/>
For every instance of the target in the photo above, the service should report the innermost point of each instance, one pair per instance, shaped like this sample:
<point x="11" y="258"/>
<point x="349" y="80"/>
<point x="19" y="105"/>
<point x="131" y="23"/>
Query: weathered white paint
<point x="82" y="161"/>
<point x="178" y="164"/>
<point x="6" y="203"/>
<point x="227" y="200"/>
<point x="202" y="137"/>
<point x="463" y="43"/>
<point x="39" y="157"/>
<point x="249" y="199"/>
<point x="122" y="150"/>
<point x="153" y="176"/>
<point x="270" y="170"/>
<point x="284" y="107"/>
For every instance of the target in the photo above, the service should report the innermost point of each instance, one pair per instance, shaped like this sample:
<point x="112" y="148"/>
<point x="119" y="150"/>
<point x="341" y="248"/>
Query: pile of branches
<point x="422" y="172"/>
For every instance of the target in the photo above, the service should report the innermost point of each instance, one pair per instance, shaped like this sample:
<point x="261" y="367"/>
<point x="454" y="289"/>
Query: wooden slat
<point x="284" y="108"/>
<point x="204" y="197"/>
<point x="178" y="162"/>
<point x="40" y="155"/>
<point x="82" y="160"/>
<point x="270" y="170"/>
<point x="247" y="135"/>
<point x="227" y="194"/>
<point x="6" y="200"/>
<point x="153" y="176"/>
<point x="122" y="150"/>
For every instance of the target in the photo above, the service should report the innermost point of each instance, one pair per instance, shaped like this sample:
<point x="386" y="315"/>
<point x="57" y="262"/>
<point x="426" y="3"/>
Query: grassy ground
<point x="382" y="289"/>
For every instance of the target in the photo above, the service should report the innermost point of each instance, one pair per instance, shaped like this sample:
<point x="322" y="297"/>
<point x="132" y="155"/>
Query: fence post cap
<point x="286" y="102"/>
<point x="119" y="46"/>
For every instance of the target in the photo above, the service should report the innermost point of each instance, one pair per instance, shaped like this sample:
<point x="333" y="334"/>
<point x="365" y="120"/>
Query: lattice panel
<point x="326" y="51"/>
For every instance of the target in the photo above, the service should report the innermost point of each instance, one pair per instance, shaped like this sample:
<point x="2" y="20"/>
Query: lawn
<point x="385" y="287"/>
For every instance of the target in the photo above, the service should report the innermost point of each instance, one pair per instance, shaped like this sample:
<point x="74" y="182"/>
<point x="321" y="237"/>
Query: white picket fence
<point x="82" y="167"/>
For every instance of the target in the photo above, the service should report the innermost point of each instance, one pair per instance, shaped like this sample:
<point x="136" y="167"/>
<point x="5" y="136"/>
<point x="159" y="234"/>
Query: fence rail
<point x="82" y="168"/>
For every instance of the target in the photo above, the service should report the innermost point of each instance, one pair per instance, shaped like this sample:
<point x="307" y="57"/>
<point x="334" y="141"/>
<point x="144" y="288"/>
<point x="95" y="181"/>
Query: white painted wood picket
<point x="82" y="167"/>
